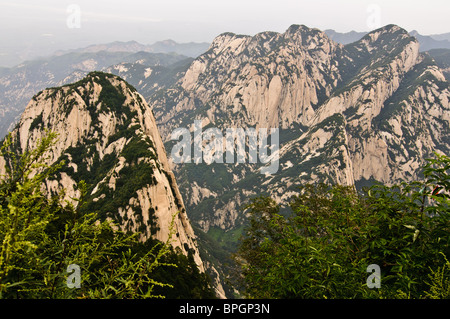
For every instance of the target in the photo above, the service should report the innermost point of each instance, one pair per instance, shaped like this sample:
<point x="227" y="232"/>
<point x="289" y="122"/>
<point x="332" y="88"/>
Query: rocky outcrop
<point x="107" y="135"/>
<point x="268" y="80"/>
<point x="370" y="110"/>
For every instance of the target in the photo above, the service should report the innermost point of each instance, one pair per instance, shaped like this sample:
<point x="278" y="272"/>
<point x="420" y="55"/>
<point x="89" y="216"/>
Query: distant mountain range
<point x="191" y="49"/>
<point x="194" y="49"/>
<point x="427" y="42"/>
<point x="437" y="45"/>
<point x="10" y="57"/>
<point x="18" y="84"/>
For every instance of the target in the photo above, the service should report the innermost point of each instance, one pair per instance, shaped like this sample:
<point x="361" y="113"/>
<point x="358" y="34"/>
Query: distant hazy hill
<point x="443" y="36"/>
<point x="191" y="49"/>
<point x="344" y="38"/>
<point x="18" y="84"/>
<point x="427" y="42"/>
<point x="42" y="48"/>
<point x="431" y="42"/>
<point x="442" y="58"/>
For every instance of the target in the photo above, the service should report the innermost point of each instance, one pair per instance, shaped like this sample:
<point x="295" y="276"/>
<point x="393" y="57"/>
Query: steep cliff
<point x="108" y="137"/>
<point x="370" y="110"/>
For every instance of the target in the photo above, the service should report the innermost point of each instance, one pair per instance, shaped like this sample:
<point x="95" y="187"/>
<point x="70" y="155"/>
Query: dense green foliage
<point x="42" y="235"/>
<point x="322" y="248"/>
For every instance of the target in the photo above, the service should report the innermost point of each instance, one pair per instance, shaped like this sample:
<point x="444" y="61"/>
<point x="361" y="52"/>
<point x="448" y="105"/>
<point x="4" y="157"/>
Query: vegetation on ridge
<point x="42" y="235"/>
<point x="323" y="248"/>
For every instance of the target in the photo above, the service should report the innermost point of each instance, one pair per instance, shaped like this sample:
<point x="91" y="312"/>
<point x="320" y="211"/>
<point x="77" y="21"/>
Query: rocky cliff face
<point x="108" y="137"/>
<point x="370" y="110"/>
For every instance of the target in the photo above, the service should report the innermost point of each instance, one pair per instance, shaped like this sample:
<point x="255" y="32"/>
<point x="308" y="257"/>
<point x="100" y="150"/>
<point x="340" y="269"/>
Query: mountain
<point x="427" y="42"/>
<point x="107" y="136"/>
<point x="303" y="82"/>
<point x="344" y="37"/>
<point x="150" y="78"/>
<point x="442" y="58"/>
<point x="437" y="46"/>
<point x="20" y="83"/>
<point x="116" y="46"/>
<point x="431" y="42"/>
<point x="45" y="47"/>
<point x="371" y="110"/>
<point x="440" y="37"/>
<point x="190" y="49"/>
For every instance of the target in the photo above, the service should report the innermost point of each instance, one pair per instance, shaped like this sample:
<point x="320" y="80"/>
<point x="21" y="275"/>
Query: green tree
<point x="322" y="248"/>
<point x="41" y="235"/>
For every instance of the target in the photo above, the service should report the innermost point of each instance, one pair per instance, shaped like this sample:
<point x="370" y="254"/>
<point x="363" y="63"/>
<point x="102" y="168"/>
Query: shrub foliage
<point x="323" y="246"/>
<point x="41" y="235"/>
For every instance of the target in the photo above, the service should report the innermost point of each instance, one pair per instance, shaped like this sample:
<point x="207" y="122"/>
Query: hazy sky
<point x="52" y="24"/>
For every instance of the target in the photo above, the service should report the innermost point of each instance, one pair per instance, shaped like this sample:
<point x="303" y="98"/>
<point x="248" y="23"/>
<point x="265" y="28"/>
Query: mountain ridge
<point x="330" y="99"/>
<point x="427" y="42"/>
<point x="189" y="49"/>
<point x="108" y="137"/>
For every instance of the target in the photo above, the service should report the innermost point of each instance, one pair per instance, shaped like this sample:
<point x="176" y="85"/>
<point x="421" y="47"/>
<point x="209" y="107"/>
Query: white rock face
<point x="370" y="110"/>
<point x="268" y="80"/>
<point x="80" y="115"/>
